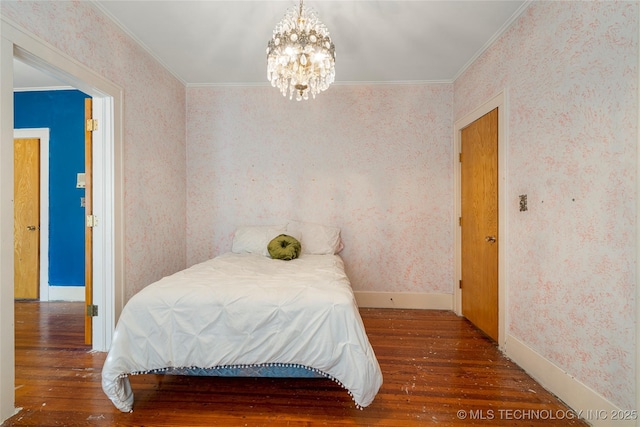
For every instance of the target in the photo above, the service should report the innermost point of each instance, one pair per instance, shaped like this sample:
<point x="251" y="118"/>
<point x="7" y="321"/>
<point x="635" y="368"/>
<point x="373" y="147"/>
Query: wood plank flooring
<point x="437" y="367"/>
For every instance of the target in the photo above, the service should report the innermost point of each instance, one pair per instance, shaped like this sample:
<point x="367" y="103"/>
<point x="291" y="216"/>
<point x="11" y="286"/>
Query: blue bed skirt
<point x="270" y="371"/>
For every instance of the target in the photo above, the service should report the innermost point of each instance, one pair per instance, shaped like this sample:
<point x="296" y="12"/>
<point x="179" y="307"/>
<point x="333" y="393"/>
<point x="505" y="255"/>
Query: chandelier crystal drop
<point x="301" y="56"/>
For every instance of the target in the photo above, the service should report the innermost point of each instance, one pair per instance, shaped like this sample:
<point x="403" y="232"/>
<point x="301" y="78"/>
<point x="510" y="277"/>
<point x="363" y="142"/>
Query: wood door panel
<point x="26" y="190"/>
<point x="479" y="182"/>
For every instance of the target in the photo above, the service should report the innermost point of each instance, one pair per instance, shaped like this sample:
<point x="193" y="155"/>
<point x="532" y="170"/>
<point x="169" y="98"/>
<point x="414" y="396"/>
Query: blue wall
<point x="62" y="111"/>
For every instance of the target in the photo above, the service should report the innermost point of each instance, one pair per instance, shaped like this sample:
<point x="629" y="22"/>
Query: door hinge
<point x="92" y="221"/>
<point x="92" y="124"/>
<point x="460" y="284"/>
<point x="460" y="221"/>
<point x="92" y="310"/>
<point x="460" y="157"/>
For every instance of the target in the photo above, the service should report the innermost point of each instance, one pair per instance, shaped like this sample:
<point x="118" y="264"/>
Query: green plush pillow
<point x="284" y="247"/>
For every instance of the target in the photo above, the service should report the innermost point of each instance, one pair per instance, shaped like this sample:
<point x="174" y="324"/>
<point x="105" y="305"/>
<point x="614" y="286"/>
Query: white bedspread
<point x="245" y="309"/>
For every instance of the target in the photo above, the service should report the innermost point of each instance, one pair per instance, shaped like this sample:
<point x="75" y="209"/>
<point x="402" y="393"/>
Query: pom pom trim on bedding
<point x="264" y="370"/>
<point x="246" y="310"/>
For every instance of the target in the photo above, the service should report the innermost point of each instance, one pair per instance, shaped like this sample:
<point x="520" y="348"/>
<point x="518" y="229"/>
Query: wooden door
<point x="88" y="234"/>
<point x="26" y="212"/>
<point x="479" y="222"/>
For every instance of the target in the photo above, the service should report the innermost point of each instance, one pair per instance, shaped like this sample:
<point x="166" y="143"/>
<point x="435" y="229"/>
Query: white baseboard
<point x="66" y="293"/>
<point x="412" y="300"/>
<point x="585" y="402"/>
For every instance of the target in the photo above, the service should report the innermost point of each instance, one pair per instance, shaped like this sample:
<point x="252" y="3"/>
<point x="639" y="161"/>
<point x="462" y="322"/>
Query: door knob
<point x="31" y="227"/>
<point x="490" y="239"/>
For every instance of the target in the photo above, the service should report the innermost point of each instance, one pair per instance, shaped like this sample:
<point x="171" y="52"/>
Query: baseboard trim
<point x="66" y="293"/>
<point x="410" y="300"/>
<point x="585" y="402"/>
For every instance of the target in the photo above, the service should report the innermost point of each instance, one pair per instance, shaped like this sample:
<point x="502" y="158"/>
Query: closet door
<point x="479" y="168"/>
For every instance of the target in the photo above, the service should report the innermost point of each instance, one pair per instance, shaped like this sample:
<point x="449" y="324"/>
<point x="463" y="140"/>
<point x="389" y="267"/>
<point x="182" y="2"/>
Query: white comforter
<point x="245" y="309"/>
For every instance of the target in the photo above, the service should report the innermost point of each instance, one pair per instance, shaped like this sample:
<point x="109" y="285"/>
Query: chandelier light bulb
<point x="300" y="55"/>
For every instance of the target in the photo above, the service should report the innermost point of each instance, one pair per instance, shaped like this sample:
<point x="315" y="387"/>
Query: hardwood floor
<point x="437" y="367"/>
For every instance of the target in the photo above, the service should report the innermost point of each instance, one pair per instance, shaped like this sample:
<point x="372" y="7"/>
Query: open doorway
<point x="51" y="118"/>
<point x="65" y="95"/>
<point x="107" y="197"/>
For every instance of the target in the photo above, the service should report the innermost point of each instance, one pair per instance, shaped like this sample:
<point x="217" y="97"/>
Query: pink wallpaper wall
<point x="154" y="129"/>
<point x="570" y="70"/>
<point x="373" y="160"/>
<point x="377" y="161"/>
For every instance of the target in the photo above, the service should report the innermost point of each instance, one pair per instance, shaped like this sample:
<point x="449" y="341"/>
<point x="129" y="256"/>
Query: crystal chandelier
<point x="300" y="55"/>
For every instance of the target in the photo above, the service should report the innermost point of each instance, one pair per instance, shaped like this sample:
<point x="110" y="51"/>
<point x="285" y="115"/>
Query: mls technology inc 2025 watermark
<point x="547" y="414"/>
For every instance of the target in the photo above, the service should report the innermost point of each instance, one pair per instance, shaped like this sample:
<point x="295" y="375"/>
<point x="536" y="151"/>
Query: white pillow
<point x="316" y="239"/>
<point x="254" y="239"/>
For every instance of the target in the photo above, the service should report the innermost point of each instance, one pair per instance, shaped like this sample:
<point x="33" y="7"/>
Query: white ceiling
<point x="224" y="42"/>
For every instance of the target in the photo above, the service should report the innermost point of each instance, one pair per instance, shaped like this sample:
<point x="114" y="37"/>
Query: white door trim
<point x="43" y="135"/>
<point x="498" y="101"/>
<point x="637" y="294"/>
<point x="108" y="236"/>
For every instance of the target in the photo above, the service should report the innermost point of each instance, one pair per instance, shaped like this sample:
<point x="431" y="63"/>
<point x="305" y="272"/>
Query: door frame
<point x="43" y="135"/>
<point x="498" y="101"/>
<point x="108" y="183"/>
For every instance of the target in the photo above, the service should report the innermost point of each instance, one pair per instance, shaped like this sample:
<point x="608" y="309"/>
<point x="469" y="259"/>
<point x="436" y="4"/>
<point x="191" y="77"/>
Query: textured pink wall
<point x="570" y="70"/>
<point x="154" y="130"/>
<point x="373" y="160"/>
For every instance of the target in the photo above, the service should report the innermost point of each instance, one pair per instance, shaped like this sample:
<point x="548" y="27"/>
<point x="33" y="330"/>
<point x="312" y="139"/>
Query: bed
<point x="245" y="313"/>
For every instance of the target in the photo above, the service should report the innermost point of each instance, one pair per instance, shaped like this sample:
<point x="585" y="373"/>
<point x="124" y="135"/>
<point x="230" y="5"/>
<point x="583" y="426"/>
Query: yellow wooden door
<point x="26" y="190"/>
<point x="88" y="235"/>
<point x="479" y="222"/>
